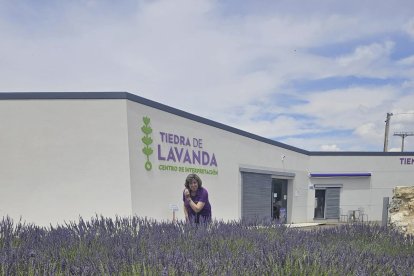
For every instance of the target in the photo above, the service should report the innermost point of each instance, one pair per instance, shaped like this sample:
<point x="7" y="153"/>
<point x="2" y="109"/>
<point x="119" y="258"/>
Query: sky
<point x="318" y="75"/>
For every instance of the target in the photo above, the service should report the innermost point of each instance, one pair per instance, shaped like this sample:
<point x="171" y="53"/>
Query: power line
<point x="402" y="113"/>
<point x="403" y="134"/>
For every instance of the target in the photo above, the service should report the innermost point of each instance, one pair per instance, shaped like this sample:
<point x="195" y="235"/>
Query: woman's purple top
<point x="205" y="214"/>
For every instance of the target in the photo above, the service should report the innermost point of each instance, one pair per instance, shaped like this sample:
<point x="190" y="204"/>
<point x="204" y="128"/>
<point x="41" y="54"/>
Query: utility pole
<point x="387" y="127"/>
<point x="403" y="135"/>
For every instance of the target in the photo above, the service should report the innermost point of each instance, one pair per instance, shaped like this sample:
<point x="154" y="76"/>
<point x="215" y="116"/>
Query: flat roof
<point x="178" y="112"/>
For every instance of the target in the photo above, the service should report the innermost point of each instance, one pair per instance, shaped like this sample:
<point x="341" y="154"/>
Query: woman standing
<point x="197" y="208"/>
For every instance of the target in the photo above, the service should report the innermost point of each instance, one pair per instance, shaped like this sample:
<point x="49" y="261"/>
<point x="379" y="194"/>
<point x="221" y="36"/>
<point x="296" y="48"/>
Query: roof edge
<point x="360" y="153"/>
<point x="62" y="95"/>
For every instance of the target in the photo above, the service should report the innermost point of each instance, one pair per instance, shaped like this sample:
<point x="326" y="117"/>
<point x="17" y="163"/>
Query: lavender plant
<point x="139" y="246"/>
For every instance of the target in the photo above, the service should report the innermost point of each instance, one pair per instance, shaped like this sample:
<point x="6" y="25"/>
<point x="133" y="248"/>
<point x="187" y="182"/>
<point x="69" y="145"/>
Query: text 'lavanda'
<point x="181" y="155"/>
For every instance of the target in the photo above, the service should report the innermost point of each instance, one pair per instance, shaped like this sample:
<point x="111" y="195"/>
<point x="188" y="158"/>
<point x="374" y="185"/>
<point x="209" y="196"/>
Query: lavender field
<point x="135" y="246"/>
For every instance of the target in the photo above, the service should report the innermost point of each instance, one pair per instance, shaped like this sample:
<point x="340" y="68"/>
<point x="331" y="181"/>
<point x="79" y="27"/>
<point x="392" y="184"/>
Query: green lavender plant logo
<point x="147" y="140"/>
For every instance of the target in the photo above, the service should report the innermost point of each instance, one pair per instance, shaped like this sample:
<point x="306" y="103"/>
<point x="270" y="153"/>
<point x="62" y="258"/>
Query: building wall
<point x="364" y="192"/>
<point x="63" y="158"/>
<point x="154" y="191"/>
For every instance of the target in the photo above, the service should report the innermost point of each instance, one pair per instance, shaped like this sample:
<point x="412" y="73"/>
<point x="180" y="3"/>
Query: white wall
<point x="387" y="172"/>
<point x="153" y="191"/>
<point x="63" y="158"/>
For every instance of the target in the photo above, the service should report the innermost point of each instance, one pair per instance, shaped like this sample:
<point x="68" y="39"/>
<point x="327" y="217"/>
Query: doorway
<point x="319" y="204"/>
<point x="279" y="199"/>
<point x="327" y="203"/>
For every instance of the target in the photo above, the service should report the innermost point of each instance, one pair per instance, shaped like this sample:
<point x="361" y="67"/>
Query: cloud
<point x="409" y="28"/>
<point x="370" y="132"/>
<point x="407" y="61"/>
<point x="367" y="54"/>
<point x="239" y="64"/>
<point x="278" y="127"/>
<point x="344" y="107"/>
<point x="326" y="143"/>
<point x="330" y="148"/>
<point x="408" y="84"/>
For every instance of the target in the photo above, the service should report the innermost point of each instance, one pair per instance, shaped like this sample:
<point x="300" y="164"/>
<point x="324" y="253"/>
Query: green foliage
<point x="147" y="151"/>
<point x="147" y="140"/>
<point x="146" y="129"/>
<point x="146" y="120"/>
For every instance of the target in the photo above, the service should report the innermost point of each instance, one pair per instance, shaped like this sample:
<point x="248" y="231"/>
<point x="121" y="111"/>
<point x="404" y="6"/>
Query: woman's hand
<point x="186" y="193"/>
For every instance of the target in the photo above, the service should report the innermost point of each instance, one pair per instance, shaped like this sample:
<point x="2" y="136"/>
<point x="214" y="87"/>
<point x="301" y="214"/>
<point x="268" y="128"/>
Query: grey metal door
<point x="332" y="203"/>
<point x="256" y="195"/>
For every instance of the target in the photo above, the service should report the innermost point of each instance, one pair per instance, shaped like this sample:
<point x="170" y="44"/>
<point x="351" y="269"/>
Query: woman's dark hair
<point x="190" y="178"/>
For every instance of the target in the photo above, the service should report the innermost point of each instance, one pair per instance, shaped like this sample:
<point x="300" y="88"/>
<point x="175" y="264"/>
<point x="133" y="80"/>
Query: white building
<point x="65" y="155"/>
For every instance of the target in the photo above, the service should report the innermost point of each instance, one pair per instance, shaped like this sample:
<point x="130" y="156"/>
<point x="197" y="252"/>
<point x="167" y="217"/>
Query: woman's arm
<point x="197" y="207"/>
